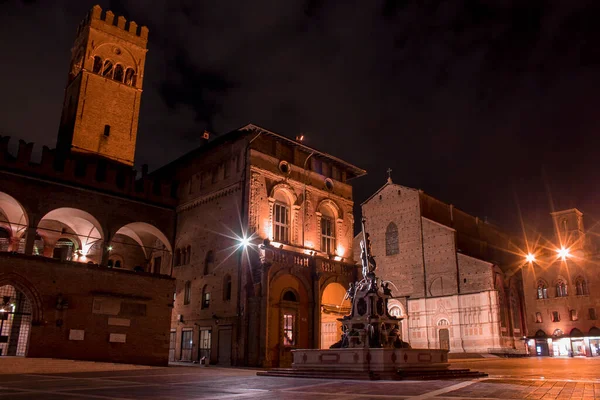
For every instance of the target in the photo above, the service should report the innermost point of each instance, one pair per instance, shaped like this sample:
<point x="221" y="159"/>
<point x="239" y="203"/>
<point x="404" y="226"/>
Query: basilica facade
<point x="454" y="277"/>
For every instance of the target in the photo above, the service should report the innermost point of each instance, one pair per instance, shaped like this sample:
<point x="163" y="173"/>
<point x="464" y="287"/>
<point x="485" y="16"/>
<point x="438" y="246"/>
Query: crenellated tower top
<point x="104" y="87"/>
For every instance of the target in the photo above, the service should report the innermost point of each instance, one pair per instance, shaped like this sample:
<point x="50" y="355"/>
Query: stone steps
<point x="417" y="374"/>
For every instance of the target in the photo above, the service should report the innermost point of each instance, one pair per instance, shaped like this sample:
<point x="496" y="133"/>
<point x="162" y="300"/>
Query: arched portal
<point x="334" y="305"/>
<point x="141" y="246"/>
<point x="13" y="224"/>
<point x="71" y="234"/>
<point x="15" y="321"/>
<point x="289" y="319"/>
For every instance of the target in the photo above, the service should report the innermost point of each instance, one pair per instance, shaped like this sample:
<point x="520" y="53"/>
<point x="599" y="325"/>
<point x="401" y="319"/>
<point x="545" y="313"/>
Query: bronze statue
<point x="367" y="260"/>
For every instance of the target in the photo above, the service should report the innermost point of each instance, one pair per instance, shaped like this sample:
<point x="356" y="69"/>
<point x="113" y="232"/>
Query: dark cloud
<point x="466" y="99"/>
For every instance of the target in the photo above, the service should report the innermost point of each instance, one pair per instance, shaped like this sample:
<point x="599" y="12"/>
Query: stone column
<point x="316" y="309"/>
<point x="30" y="239"/>
<point x="264" y="354"/>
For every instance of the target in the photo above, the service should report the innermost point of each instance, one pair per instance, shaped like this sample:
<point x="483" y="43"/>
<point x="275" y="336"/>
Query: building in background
<point x="560" y="279"/>
<point x="454" y="278"/>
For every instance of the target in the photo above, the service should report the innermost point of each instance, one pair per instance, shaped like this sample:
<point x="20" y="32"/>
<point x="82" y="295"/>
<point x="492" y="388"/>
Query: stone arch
<point x="139" y="242"/>
<point x="289" y="322"/>
<point x="334" y="305"/>
<point x="394" y="304"/>
<point x="126" y="57"/>
<point x="287" y="190"/>
<point x="75" y="224"/>
<point x="305" y="283"/>
<point x="331" y="205"/>
<point x="26" y="287"/>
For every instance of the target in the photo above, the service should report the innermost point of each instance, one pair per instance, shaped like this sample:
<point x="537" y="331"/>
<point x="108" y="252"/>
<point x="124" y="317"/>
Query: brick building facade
<point x="251" y="305"/>
<point x="85" y="245"/>
<point x="454" y="278"/>
<point x="559" y="281"/>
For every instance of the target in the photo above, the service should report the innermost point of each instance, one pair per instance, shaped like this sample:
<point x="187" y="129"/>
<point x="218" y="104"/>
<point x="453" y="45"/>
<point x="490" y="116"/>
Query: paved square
<point x="509" y="379"/>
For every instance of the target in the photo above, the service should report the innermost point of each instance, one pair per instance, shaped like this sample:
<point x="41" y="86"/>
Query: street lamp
<point x="563" y="253"/>
<point x="530" y="258"/>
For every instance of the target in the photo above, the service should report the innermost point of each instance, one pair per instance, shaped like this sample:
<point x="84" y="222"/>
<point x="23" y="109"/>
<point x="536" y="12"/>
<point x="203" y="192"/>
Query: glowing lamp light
<point x="109" y="248"/>
<point x="340" y="251"/>
<point x="563" y="253"/>
<point x="530" y="258"/>
<point x="244" y="241"/>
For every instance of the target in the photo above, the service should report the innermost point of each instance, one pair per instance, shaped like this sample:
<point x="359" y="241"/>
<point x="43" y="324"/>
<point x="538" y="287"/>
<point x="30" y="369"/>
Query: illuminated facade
<point x="560" y="290"/>
<point x="269" y="225"/>
<point x="86" y="245"/>
<point x="454" y="279"/>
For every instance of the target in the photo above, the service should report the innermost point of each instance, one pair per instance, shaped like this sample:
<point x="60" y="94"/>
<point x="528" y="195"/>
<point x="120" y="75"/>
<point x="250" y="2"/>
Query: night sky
<point x="488" y="105"/>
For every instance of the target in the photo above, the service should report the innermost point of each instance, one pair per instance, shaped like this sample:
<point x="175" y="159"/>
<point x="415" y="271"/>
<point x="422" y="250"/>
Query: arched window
<point x="183" y="256"/>
<point x="561" y="288"/>
<point x="391" y="240"/>
<point x="187" y="294"/>
<point x="205" y="297"/>
<point x="97" y="68"/>
<point x="281" y="219"/>
<point x="177" y="257"/>
<point x="542" y="290"/>
<point x="119" y="73"/>
<point x="395" y="311"/>
<point x="208" y="262"/>
<point x="227" y="288"/>
<point x="108" y="69"/>
<point x="581" y="286"/>
<point x="118" y="264"/>
<point x="130" y="77"/>
<point x="289" y="296"/>
<point x="188" y="254"/>
<point x="327" y="230"/>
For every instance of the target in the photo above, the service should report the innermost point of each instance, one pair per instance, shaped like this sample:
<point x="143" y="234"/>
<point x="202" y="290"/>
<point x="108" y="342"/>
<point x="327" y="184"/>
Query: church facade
<point x="453" y="276"/>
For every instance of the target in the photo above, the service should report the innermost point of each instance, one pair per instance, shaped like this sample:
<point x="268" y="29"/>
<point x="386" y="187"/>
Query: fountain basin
<point x="378" y="360"/>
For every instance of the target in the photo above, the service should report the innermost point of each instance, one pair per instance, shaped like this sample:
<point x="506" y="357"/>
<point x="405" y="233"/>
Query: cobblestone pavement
<point x="573" y="378"/>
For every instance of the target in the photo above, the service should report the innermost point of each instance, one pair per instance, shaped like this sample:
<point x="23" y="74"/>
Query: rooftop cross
<point x="389" y="172"/>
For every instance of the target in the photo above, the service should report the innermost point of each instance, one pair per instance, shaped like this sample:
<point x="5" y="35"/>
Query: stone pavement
<point x="233" y="383"/>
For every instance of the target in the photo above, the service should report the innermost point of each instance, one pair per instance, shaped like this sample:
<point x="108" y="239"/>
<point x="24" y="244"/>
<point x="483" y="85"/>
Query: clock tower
<point x="104" y="88"/>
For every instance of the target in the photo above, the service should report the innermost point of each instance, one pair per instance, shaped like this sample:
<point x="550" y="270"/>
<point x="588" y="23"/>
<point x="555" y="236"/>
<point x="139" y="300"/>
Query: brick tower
<point x="104" y="88"/>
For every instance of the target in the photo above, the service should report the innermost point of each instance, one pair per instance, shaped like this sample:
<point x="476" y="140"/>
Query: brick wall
<point x="101" y="302"/>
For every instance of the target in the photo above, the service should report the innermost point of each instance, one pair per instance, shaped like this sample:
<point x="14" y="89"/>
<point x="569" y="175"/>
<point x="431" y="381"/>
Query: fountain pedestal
<point x="370" y="341"/>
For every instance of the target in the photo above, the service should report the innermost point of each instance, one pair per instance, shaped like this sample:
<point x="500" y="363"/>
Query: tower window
<point x="97" y="65"/>
<point x="107" y="130"/>
<point x="108" y="69"/>
<point x="118" y="73"/>
<point x="561" y="289"/>
<point x="538" y="317"/>
<point x="130" y="77"/>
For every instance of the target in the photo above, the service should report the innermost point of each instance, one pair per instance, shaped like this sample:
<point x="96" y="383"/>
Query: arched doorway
<point x="289" y="319"/>
<point x="333" y="306"/>
<point x="444" y="334"/>
<point x="15" y="321"/>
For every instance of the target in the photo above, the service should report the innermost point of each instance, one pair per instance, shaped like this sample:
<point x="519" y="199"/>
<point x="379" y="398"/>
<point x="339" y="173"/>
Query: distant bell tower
<point x="104" y="88"/>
